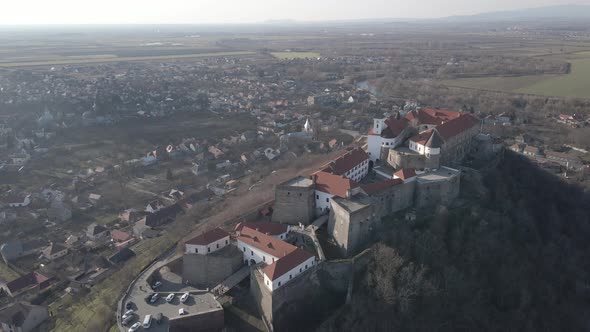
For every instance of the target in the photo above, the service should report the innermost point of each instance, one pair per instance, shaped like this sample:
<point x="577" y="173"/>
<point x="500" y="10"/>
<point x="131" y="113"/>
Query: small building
<point x="208" y="242"/>
<point x="96" y="231"/>
<point x="531" y="151"/>
<point x="121" y="239"/>
<point x="54" y="251"/>
<point x="154" y="206"/>
<point x="30" y="281"/>
<point x="22" y="317"/>
<point x="274" y="229"/>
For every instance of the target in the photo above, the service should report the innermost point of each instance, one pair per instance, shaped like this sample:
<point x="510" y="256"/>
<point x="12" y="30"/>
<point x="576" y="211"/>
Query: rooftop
<point x="266" y="243"/>
<point x="208" y="237"/>
<point x="440" y="174"/>
<point x="353" y="204"/>
<point x="268" y="228"/>
<point x="299" y="181"/>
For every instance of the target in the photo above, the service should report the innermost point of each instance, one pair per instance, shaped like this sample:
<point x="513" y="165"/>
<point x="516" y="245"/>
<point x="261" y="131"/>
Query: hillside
<point x="549" y="12"/>
<point x="515" y="257"/>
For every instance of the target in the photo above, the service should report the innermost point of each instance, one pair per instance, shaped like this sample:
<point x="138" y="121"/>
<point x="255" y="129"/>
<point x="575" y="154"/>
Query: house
<point x="563" y="159"/>
<point x="353" y="164"/>
<point x="17" y="201"/>
<point x="54" y="251"/>
<point x="94" y="198"/>
<point x="72" y="241"/>
<point x="405" y="174"/>
<point x="163" y="215"/>
<point x="282" y="261"/>
<point x="387" y="133"/>
<point x="274" y="229"/>
<point x="22" y="317"/>
<point x="531" y="151"/>
<point x="208" y="242"/>
<point x="30" y="281"/>
<point x="96" y="232"/>
<point x="175" y="194"/>
<point x="130" y="216"/>
<point x="15" y="249"/>
<point x="121" y="239"/>
<point x="516" y="147"/>
<point x="154" y="206"/>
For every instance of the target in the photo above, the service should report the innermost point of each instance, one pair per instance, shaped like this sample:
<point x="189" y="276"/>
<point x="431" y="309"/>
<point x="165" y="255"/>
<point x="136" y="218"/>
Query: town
<point x="239" y="190"/>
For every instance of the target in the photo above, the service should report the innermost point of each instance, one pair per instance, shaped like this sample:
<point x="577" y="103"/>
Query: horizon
<point x="183" y="12"/>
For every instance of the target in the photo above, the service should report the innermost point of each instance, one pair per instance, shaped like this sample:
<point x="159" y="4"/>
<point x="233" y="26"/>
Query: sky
<point x="243" y="11"/>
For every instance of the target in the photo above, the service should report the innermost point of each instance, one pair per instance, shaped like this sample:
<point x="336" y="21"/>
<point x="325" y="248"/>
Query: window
<point x="299" y="269"/>
<point x="196" y="250"/>
<point x="306" y="266"/>
<point x="208" y="249"/>
<point x="244" y="248"/>
<point x="225" y="241"/>
<point x="217" y="245"/>
<point x="327" y="200"/>
<point x="290" y="276"/>
<point x="273" y="259"/>
<point x="279" y="283"/>
<point x="288" y="193"/>
<point x="267" y="282"/>
<point x="317" y="196"/>
<point x="300" y="194"/>
<point x="251" y="253"/>
<point x="264" y="258"/>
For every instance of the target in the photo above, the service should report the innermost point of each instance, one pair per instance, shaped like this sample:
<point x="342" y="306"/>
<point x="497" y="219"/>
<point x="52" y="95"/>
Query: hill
<point x="515" y="257"/>
<point x="565" y="12"/>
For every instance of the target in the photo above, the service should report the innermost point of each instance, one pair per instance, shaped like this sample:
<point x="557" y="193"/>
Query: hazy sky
<point x="243" y="11"/>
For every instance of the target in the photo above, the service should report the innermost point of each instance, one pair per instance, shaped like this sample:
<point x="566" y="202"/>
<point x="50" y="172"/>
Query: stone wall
<point x="398" y="160"/>
<point x="210" y="270"/>
<point x="431" y="193"/>
<point x="210" y="321"/>
<point x="294" y="205"/>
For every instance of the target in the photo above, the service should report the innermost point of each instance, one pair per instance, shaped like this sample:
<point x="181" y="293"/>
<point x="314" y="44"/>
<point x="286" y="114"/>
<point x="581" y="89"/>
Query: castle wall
<point x="294" y="205"/>
<point x="210" y="270"/>
<point x="398" y="160"/>
<point x="455" y="148"/>
<point x="338" y="226"/>
<point x="431" y="193"/>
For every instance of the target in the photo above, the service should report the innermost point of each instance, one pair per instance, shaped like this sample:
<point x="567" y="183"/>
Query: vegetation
<point x="515" y="258"/>
<point x="295" y="55"/>
<point x="573" y="84"/>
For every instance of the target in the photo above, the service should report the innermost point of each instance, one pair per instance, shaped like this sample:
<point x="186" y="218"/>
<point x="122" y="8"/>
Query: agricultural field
<point x="295" y="55"/>
<point x="575" y="84"/>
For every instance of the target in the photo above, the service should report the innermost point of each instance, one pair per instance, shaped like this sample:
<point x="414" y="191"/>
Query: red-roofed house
<point x="387" y="133"/>
<point x="207" y="242"/>
<point x="121" y="239"/>
<point x="353" y="164"/>
<point x="284" y="261"/>
<point x="405" y="174"/>
<point x="273" y="229"/>
<point x="30" y="281"/>
<point x="328" y="185"/>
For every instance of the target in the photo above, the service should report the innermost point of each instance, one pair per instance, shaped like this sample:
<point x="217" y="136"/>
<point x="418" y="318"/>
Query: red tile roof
<point x="346" y="161"/>
<point x="443" y="115"/>
<point x="120" y="236"/>
<point x="423" y="137"/>
<point x="405" y="173"/>
<point x="31" y="279"/>
<point x="208" y="237"/>
<point x="336" y="185"/>
<point x="432" y="116"/>
<point x="268" y="228"/>
<point x="456" y="126"/>
<point x="394" y="127"/>
<point x="286" y="264"/>
<point x="266" y="243"/>
<point x="376" y="187"/>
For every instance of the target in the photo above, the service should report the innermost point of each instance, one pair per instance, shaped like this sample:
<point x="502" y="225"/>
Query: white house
<point x="22" y="202"/>
<point x="426" y="143"/>
<point x="54" y="251"/>
<point x="386" y="133"/>
<point x="154" y="206"/>
<point x="274" y="229"/>
<point x="283" y="260"/>
<point x="207" y="242"/>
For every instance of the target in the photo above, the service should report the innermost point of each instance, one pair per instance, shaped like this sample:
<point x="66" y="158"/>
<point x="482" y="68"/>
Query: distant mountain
<point x="551" y="12"/>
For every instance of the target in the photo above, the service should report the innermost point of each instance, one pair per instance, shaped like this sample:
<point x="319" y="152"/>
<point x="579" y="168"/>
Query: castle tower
<point x="378" y="126"/>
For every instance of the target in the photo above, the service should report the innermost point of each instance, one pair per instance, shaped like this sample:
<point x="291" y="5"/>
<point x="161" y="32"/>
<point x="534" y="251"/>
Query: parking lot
<point x="199" y="300"/>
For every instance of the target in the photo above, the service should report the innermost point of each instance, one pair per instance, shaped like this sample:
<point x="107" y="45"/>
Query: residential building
<point x="208" y="242"/>
<point x="22" y="317"/>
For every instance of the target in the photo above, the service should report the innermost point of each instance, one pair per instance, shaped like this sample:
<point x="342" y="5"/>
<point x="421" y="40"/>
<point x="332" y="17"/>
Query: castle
<point x="404" y="158"/>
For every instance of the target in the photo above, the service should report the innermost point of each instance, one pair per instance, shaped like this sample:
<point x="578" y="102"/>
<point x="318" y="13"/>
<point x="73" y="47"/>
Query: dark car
<point x="158" y="318"/>
<point x="129" y="305"/>
<point x="149" y="297"/>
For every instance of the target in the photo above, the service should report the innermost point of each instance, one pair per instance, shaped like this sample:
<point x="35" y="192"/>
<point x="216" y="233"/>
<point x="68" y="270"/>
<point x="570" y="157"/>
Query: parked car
<point x="157" y="284"/>
<point x="127" y="319"/>
<point x="184" y="297"/>
<point x="158" y="318"/>
<point x="170" y="297"/>
<point x="149" y="297"/>
<point x="134" y="327"/>
<point x="128" y="313"/>
<point x="129" y="305"/>
<point x="181" y="312"/>
<point x="154" y="298"/>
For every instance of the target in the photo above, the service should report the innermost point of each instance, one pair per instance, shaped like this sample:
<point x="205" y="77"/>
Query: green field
<point x="575" y="84"/>
<point x="105" y="59"/>
<point x="295" y="55"/>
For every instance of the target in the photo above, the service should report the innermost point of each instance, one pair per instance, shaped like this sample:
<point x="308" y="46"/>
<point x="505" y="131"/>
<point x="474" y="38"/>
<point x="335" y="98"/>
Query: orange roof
<point x="405" y="173"/>
<point x="423" y="137"/>
<point x="456" y="126"/>
<point x="336" y="185"/>
<point x="208" y="237"/>
<point x="432" y="116"/>
<point x="394" y="127"/>
<point x="286" y="264"/>
<point x="346" y="161"/>
<point x="268" y="228"/>
<point x="266" y="243"/>
<point x="376" y="187"/>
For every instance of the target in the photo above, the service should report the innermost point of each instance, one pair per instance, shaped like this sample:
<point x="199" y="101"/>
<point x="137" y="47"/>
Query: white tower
<point x="307" y="126"/>
<point x="378" y="126"/>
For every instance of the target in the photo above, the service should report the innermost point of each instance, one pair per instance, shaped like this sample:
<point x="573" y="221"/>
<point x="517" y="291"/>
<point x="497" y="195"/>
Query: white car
<point x="157" y="284"/>
<point x="128" y="313"/>
<point x="154" y="298"/>
<point x="181" y="312"/>
<point x="127" y="319"/>
<point x="184" y="297"/>
<point x="134" y="327"/>
<point x="170" y="297"/>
